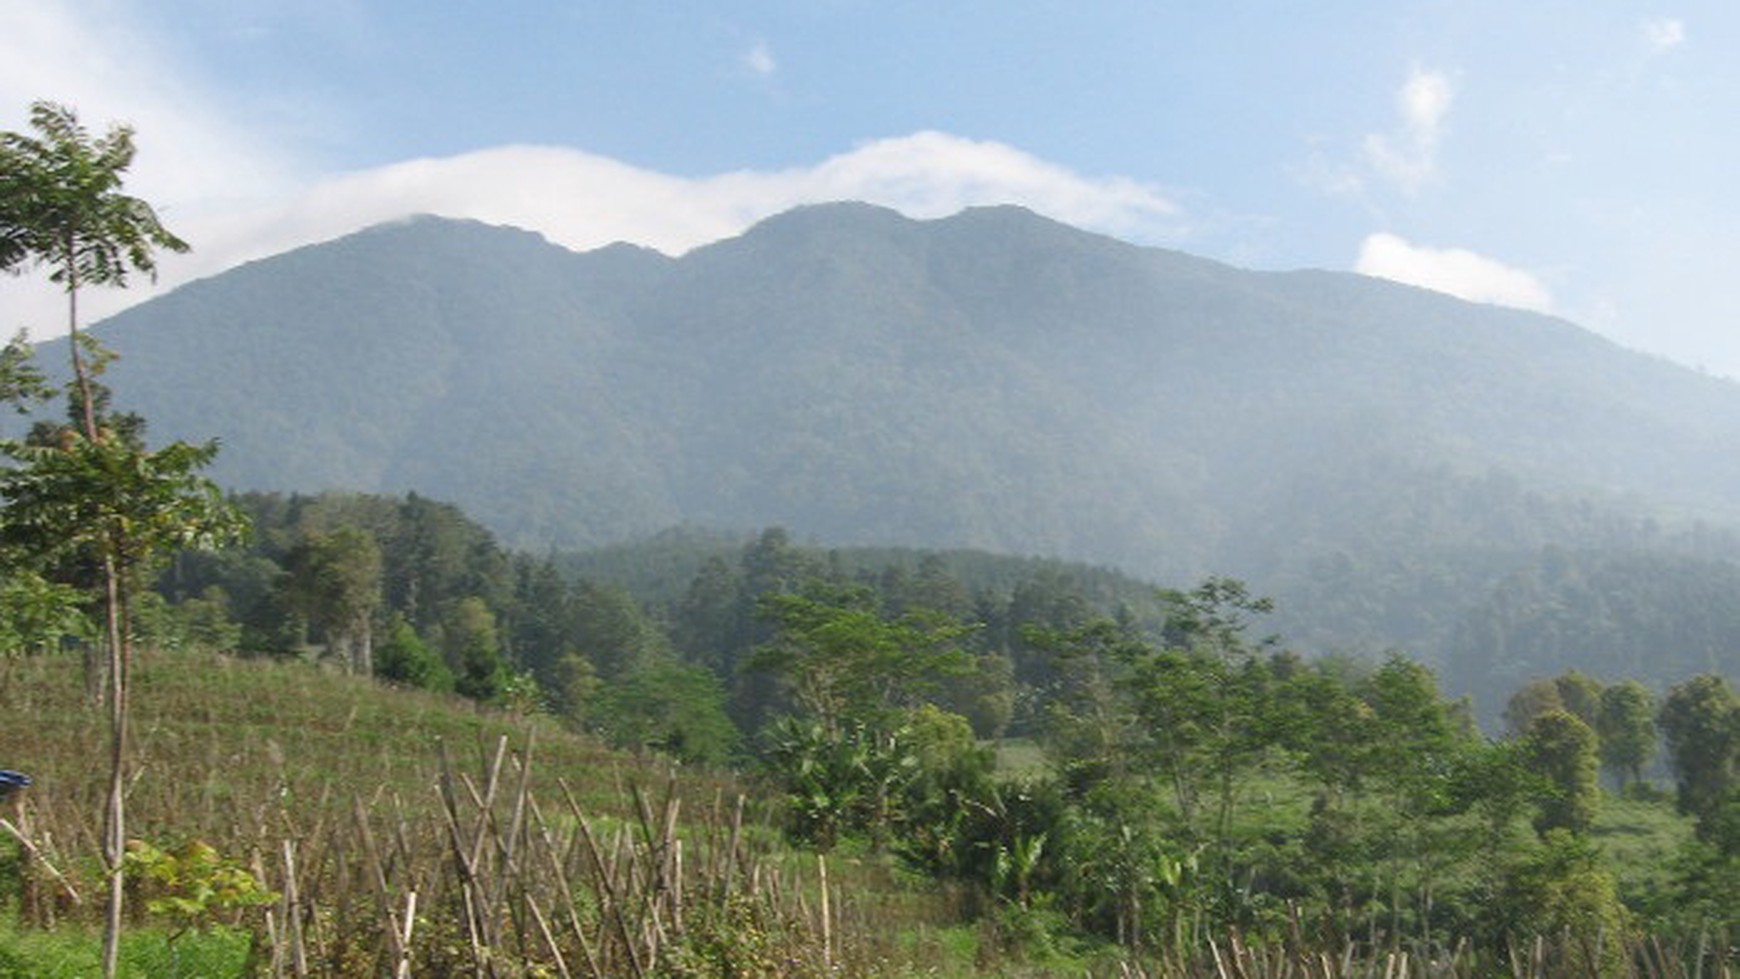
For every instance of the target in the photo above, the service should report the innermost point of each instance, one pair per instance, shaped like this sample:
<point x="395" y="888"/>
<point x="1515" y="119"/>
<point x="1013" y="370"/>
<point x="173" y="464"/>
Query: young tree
<point x="405" y="658"/>
<point x="471" y="643"/>
<point x="61" y="206"/>
<point x="125" y="506"/>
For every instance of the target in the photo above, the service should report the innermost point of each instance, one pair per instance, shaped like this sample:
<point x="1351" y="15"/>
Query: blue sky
<point x="1570" y="157"/>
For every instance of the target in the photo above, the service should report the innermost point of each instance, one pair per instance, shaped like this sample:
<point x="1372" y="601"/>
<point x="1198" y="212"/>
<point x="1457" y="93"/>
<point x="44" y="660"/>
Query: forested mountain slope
<point x="1378" y="456"/>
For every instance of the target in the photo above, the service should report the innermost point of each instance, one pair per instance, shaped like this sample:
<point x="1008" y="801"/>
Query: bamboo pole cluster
<point x="504" y="883"/>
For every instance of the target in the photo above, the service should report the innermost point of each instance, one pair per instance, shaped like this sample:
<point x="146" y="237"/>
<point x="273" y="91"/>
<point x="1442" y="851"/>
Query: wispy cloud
<point x="1662" y="34"/>
<point x="759" y="60"/>
<point x="582" y="200"/>
<point x="1456" y="271"/>
<point x="1408" y="156"/>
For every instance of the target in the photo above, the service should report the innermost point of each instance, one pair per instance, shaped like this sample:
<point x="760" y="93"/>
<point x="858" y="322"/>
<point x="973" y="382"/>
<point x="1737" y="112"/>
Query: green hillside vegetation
<point x="1185" y="777"/>
<point x="1380" y="459"/>
<point x="1200" y="785"/>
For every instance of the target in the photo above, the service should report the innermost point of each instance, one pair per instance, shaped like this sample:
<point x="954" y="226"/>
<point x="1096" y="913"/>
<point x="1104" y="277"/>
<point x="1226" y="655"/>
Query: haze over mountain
<point x="1378" y="456"/>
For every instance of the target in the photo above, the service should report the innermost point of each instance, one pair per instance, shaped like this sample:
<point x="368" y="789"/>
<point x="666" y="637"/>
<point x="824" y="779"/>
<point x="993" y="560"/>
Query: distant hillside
<point x="1376" y="455"/>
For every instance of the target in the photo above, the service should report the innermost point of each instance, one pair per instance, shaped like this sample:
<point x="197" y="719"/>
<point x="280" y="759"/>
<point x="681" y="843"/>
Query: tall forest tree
<point x="1700" y="721"/>
<point x="1565" y="752"/>
<point x="335" y="582"/>
<point x="1626" y="724"/>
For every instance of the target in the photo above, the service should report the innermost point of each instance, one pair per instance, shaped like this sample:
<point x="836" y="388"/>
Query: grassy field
<point x="392" y="826"/>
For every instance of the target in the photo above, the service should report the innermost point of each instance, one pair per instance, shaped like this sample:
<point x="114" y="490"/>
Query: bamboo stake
<point x="613" y="905"/>
<point x="827" y="925"/>
<point x="272" y="936"/>
<point x="383" y="896"/>
<point x="468" y="878"/>
<point x="558" y="861"/>
<point x="36" y="854"/>
<point x="731" y="851"/>
<point x="293" y="914"/>
<point x="402" y="969"/>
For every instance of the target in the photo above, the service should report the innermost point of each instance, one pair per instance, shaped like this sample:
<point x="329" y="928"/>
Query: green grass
<point x="1641" y="839"/>
<point x="1021" y="758"/>
<point x="77" y="953"/>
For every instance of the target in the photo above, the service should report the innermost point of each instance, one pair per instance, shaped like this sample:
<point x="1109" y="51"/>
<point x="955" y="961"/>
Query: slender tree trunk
<point x="362" y="653"/>
<point x="96" y="680"/>
<point x="80" y="375"/>
<point x="115" y="812"/>
<point x="114" y="815"/>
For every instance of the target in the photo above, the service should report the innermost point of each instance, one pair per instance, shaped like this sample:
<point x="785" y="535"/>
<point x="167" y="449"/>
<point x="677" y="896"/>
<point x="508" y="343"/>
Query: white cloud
<point x="759" y="60"/>
<point x="1663" y="33"/>
<point x="582" y="200"/>
<point x="1459" y="272"/>
<point x="1408" y="157"/>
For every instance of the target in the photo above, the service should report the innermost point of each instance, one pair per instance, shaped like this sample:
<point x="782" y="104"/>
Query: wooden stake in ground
<point x="36" y="854"/>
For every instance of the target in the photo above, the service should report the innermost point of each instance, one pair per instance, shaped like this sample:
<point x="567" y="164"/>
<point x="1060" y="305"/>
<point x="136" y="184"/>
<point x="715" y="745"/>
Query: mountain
<point x="1378" y="456"/>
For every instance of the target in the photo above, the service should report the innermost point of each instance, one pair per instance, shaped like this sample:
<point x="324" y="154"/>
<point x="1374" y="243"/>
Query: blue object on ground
<point x="11" y="782"/>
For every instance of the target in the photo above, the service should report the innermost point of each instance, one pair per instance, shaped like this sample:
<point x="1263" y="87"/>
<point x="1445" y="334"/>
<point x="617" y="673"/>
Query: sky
<point x="1569" y="157"/>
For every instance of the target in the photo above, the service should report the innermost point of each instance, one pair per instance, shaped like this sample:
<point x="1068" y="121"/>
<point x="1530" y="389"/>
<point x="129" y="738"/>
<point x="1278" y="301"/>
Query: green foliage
<point x="1563" y="888"/>
<point x="1563" y="750"/>
<point x="37" y="614"/>
<point x="842" y="661"/>
<point x="606" y="625"/>
<point x="1705" y="889"/>
<point x="1654" y="612"/>
<point x="106" y="496"/>
<point x="673" y="709"/>
<point x="1700" y="721"/>
<point x="22" y="384"/>
<point x="193" y="886"/>
<point x="334" y="581"/>
<point x="405" y="658"/>
<point x="469" y="642"/>
<point x="60" y="203"/>
<point x="1531" y="700"/>
<point x="1626" y="724"/>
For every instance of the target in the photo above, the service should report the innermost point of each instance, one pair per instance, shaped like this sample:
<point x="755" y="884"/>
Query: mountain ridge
<point x="992" y="380"/>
